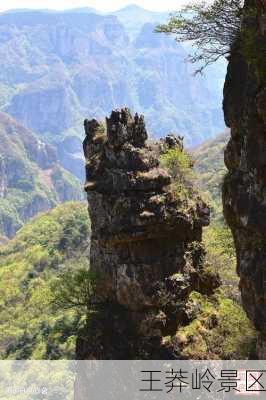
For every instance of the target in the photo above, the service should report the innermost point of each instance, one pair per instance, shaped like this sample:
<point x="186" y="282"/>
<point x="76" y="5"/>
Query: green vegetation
<point x="74" y="291"/>
<point x="179" y="165"/>
<point x="46" y="288"/>
<point x="220" y="330"/>
<point x="219" y="327"/>
<point x="31" y="180"/>
<point x="50" y="251"/>
<point x="210" y="171"/>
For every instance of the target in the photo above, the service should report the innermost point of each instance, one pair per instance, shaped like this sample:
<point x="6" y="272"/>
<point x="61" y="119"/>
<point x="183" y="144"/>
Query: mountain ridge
<point x="70" y="66"/>
<point x="31" y="179"/>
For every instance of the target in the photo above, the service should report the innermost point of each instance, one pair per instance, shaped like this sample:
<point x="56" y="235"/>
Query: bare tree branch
<point x="210" y="28"/>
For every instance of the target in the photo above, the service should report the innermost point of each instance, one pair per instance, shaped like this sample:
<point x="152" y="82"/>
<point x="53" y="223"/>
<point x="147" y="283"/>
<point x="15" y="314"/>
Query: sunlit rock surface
<point x="145" y="246"/>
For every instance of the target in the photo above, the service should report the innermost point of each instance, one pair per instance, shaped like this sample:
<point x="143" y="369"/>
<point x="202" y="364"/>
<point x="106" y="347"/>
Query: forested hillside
<point x="46" y="253"/>
<point x="31" y="178"/>
<point x="210" y="169"/>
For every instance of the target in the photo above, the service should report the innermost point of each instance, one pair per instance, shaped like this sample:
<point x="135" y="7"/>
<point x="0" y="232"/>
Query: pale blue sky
<point x="106" y="5"/>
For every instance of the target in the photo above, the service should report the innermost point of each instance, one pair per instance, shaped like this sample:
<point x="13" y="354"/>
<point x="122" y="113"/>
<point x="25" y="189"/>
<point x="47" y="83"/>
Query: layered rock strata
<point x="145" y="246"/>
<point x="244" y="189"/>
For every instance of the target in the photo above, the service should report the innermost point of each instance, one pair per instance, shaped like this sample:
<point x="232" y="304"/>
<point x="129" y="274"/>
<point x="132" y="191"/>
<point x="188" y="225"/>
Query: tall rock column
<point x="244" y="189"/>
<point x="145" y="247"/>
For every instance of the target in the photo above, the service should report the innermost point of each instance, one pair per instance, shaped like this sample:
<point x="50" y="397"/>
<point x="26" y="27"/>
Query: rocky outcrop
<point x="146" y="248"/>
<point x="244" y="189"/>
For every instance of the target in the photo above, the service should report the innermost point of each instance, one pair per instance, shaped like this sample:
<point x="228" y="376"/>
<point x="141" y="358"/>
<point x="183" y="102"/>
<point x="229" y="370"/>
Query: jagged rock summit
<point x="145" y="247"/>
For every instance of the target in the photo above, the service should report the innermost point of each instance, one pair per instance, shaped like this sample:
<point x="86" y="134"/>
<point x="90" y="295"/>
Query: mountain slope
<point x="58" y="68"/>
<point x="210" y="168"/>
<point x="49" y="245"/>
<point x="31" y="180"/>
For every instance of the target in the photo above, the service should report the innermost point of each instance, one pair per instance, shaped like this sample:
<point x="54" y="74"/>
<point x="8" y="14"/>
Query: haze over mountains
<point x="59" y="67"/>
<point x="31" y="178"/>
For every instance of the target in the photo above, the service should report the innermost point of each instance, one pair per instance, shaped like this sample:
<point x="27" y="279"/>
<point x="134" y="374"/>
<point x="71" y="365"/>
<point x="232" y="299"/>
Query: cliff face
<point x="3" y="178"/>
<point x="145" y="247"/>
<point x="31" y="179"/>
<point x="244" y="189"/>
<point x="86" y="64"/>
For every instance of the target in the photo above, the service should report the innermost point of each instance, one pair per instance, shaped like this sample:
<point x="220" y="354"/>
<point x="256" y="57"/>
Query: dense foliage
<point x="52" y="247"/>
<point x="210" y="171"/>
<point x="179" y="165"/>
<point x="31" y="179"/>
<point x="220" y="330"/>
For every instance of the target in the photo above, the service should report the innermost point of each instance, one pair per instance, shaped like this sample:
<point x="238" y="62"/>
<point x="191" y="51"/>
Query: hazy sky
<point x="106" y="5"/>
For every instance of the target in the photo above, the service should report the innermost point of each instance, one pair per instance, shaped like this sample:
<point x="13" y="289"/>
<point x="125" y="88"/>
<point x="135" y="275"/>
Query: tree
<point x="211" y="29"/>
<point x="74" y="289"/>
<point x="180" y="166"/>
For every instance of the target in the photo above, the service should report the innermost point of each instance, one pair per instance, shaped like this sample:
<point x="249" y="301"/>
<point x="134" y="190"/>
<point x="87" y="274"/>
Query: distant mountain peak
<point x="132" y="7"/>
